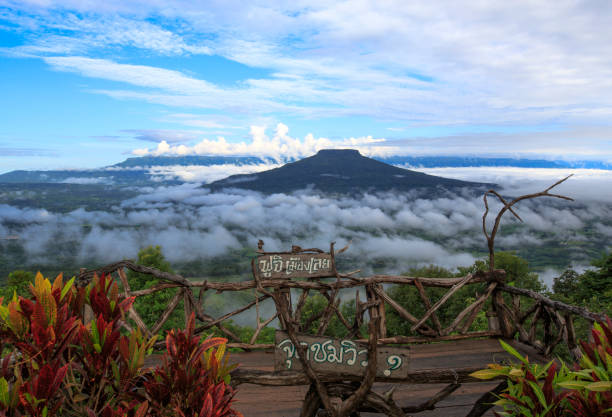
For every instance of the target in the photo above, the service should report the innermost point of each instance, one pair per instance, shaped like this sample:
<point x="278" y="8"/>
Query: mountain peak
<point x="343" y="171"/>
<point x="338" y="152"/>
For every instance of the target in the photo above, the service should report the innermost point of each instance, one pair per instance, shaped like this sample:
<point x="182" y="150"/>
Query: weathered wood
<point x="132" y="313"/>
<point x="534" y="324"/>
<point x="260" y="326"/>
<point x="289" y="378"/>
<point x="166" y="314"/>
<point x="425" y="299"/>
<point x="295" y="265"/>
<point x="177" y="280"/>
<point x="441" y="301"/>
<point x="472" y="309"/>
<point x="311" y="403"/>
<point x="200" y="315"/>
<point x="403" y="313"/>
<point x="523" y="335"/>
<point x="187" y="305"/>
<point x="417" y="340"/>
<point x="214" y="322"/>
<point x="250" y="346"/>
<point x="571" y="338"/>
<point x="331" y="355"/>
<point x="506" y="325"/>
<point x="485" y="402"/>
<point x="508" y="206"/>
<point x="557" y="305"/>
<point x="297" y="315"/>
<point x="353" y="402"/>
<point x="283" y="311"/>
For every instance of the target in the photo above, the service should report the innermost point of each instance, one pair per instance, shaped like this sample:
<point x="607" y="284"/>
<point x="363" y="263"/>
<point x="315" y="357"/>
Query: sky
<point x="88" y="83"/>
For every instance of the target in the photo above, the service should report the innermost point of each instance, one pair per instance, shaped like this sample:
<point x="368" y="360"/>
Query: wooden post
<point x="493" y="321"/>
<point x="382" y="327"/>
<point x="188" y="306"/>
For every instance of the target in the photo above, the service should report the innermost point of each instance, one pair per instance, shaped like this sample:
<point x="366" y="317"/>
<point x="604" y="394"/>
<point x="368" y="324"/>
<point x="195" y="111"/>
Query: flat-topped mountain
<point x="339" y="171"/>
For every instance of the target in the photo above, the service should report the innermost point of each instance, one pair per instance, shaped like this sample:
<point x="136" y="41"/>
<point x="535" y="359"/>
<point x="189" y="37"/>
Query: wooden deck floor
<point x="260" y="401"/>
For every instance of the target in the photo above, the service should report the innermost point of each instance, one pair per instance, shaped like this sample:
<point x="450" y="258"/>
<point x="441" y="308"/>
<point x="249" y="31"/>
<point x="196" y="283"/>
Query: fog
<point x="191" y="223"/>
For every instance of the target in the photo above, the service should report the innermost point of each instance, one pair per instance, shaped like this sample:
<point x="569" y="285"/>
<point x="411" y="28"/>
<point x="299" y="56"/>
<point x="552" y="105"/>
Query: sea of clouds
<point x="190" y="222"/>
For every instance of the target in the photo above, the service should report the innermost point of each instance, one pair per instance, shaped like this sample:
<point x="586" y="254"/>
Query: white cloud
<point x="427" y="62"/>
<point x="206" y="174"/>
<point x="280" y="147"/>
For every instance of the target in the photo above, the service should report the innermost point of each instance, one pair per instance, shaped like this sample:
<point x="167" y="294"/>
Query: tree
<point x="151" y="307"/>
<point x="517" y="272"/>
<point x="19" y="282"/>
<point x="591" y="289"/>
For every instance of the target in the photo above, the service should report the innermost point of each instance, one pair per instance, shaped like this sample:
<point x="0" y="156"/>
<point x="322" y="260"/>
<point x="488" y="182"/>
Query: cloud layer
<point x="191" y="223"/>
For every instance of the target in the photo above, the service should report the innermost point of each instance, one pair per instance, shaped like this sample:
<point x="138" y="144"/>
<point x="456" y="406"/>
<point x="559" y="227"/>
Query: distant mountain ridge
<point x="467" y="161"/>
<point x="139" y="170"/>
<point x="152" y="161"/>
<point x="339" y="171"/>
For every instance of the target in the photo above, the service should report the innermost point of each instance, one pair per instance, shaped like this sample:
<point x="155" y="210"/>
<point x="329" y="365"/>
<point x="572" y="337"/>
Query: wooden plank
<point x="335" y="356"/>
<point x="298" y="265"/>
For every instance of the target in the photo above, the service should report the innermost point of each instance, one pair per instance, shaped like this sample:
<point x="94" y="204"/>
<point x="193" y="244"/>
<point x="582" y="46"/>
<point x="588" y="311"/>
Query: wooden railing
<point x="513" y="313"/>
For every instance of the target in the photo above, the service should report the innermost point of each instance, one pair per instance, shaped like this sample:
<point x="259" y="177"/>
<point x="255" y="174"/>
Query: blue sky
<point x="89" y="83"/>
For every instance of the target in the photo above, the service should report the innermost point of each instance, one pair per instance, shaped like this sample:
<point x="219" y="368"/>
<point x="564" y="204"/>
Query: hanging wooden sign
<point x="295" y="265"/>
<point x="329" y="355"/>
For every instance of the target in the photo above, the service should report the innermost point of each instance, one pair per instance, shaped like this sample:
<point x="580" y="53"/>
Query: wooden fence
<point x="513" y="313"/>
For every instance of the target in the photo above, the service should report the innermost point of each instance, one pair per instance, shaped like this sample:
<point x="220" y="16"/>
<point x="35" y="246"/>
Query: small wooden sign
<point x="295" y="265"/>
<point x="328" y="355"/>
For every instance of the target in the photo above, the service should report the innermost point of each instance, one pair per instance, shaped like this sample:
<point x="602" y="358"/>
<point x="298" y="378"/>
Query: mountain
<point x="475" y="161"/>
<point x="201" y="160"/>
<point x="339" y="171"/>
<point x="133" y="171"/>
<point x="157" y="170"/>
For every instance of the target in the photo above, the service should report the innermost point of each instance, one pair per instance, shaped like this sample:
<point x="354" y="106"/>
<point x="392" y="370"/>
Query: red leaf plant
<point x="57" y="364"/>
<point x="185" y="384"/>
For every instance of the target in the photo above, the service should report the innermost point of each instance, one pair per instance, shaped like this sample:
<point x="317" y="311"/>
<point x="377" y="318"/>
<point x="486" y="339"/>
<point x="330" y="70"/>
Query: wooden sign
<point x="328" y="355"/>
<point x="295" y="265"/>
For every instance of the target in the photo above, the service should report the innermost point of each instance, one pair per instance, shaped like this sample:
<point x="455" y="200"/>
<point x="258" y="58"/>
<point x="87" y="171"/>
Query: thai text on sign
<point x="303" y="265"/>
<point x="336" y="356"/>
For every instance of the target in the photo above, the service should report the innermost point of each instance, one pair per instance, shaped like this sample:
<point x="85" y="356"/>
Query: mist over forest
<point x="213" y="233"/>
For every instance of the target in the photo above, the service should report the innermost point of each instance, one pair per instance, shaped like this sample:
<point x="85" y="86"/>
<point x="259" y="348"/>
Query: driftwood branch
<point x="427" y="303"/>
<point x="166" y="314"/>
<point x="230" y="314"/>
<point x="490" y="237"/>
<point x="557" y="305"/>
<point x="441" y="301"/>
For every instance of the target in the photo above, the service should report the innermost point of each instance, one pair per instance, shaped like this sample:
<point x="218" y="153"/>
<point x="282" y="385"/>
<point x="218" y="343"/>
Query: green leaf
<point x="66" y="288"/>
<point x="97" y="347"/>
<point x="573" y="384"/>
<point x="4" y="392"/>
<point x="600" y="386"/>
<point x="513" y="352"/>
<point x="487" y="373"/>
<point x="538" y="392"/>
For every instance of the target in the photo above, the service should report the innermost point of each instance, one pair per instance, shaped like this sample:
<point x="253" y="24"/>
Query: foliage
<point x="58" y="364"/>
<point x="590" y="289"/>
<point x="17" y="281"/>
<point x="186" y="365"/>
<point x="544" y="390"/>
<point x="151" y="307"/>
<point x="313" y="309"/>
